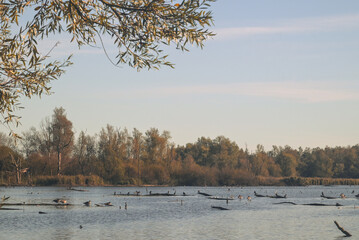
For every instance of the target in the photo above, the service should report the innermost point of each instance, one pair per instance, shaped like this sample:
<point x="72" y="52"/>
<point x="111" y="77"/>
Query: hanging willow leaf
<point x="139" y="28"/>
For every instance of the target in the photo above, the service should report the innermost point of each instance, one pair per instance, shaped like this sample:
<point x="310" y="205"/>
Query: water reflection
<point x="62" y="233"/>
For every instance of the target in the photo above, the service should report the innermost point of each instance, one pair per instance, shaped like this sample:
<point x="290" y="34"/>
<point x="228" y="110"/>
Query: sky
<point x="278" y="72"/>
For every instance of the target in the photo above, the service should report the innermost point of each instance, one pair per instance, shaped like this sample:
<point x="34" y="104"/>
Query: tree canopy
<point x="138" y="28"/>
<point x="118" y="156"/>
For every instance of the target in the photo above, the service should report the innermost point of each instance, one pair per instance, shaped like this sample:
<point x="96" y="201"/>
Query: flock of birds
<point x="87" y="203"/>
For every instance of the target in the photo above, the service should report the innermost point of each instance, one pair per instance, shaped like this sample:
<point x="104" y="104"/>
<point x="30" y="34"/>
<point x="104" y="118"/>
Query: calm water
<point x="179" y="217"/>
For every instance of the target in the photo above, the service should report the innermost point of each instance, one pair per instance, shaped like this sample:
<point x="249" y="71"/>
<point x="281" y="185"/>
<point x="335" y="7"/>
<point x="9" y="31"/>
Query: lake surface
<point x="180" y="217"/>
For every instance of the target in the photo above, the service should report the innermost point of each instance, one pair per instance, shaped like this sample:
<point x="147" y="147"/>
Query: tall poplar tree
<point x="62" y="136"/>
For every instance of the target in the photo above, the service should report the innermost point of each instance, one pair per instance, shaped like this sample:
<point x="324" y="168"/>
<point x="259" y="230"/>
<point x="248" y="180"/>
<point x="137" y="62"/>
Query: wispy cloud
<point x="296" y="91"/>
<point x="305" y="25"/>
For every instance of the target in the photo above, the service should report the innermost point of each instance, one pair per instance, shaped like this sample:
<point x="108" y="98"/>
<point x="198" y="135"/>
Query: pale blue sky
<point x="278" y="72"/>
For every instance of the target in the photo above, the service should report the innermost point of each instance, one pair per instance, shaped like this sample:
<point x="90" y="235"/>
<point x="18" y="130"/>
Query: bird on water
<point x="59" y="200"/>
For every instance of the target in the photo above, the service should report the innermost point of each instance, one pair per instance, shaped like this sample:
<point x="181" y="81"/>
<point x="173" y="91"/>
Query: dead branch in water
<point x="38" y="204"/>
<point x="347" y="234"/>
<point x="10" y="209"/>
<point x="220" y="208"/>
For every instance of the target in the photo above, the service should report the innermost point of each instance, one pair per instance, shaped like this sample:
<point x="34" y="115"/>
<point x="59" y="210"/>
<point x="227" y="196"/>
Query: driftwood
<point x="286" y="203"/>
<point x="259" y="195"/>
<point x="204" y="194"/>
<point x="322" y="204"/>
<point x="312" y="204"/>
<point x="219" y="208"/>
<point x="278" y="196"/>
<point x="327" y="197"/>
<point x="161" y="195"/>
<point x="128" y="194"/>
<point x="78" y="190"/>
<point x="347" y="234"/>
<point x="1" y="208"/>
<point x="221" y="198"/>
<point x="148" y="195"/>
<point x="37" y="204"/>
<point x="269" y="196"/>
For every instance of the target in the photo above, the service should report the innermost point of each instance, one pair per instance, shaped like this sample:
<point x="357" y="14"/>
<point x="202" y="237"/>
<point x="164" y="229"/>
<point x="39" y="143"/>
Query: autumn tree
<point x="62" y="136"/>
<point x="224" y="152"/>
<point x="44" y="160"/>
<point x="287" y="159"/>
<point x="201" y="151"/>
<point x="137" y="149"/>
<point x="258" y="162"/>
<point x="156" y="148"/>
<point x="138" y="28"/>
<point x="155" y="144"/>
<point x="351" y="162"/>
<point x="109" y="155"/>
<point x="84" y="154"/>
<point x="11" y="162"/>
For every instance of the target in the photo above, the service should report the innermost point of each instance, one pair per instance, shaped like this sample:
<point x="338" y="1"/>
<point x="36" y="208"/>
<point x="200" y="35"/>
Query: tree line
<point x="120" y="156"/>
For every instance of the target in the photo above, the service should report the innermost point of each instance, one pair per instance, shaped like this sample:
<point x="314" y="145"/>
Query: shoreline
<point x="70" y="183"/>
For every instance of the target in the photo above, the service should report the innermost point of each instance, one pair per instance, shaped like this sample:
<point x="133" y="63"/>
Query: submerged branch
<point x="347" y="234"/>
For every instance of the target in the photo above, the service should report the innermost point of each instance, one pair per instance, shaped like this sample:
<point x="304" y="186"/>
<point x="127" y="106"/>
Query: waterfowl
<point x="59" y="200"/>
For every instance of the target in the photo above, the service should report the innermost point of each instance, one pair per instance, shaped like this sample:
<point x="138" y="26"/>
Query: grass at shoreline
<point x="93" y="180"/>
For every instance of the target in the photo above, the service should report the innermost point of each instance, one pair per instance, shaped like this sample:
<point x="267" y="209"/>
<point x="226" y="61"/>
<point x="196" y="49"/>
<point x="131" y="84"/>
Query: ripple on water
<point x="169" y="218"/>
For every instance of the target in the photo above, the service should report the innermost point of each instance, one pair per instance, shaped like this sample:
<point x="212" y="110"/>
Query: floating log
<point x="312" y="204"/>
<point x="106" y="204"/>
<point x="1" y="208"/>
<point x="128" y="195"/>
<point x="347" y="234"/>
<point x="204" y="194"/>
<point x="259" y="195"/>
<point x="78" y="190"/>
<point x="322" y="204"/>
<point x="161" y="195"/>
<point x="219" y="208"/>
<point x="286" y="203"/>
<point x="221" y="198"/>
<point x="327" y="197"/>
<point x="149" y="195"/>
<point x="278" y="196"/>
<point x="37" y="204"/>
<point x="269" y="196"/>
